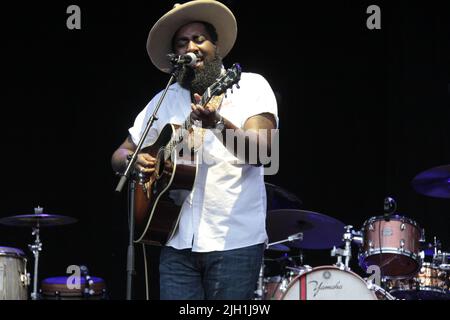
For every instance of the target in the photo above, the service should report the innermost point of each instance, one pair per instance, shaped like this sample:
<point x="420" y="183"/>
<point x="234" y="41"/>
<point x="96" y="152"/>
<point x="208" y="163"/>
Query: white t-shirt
<point x="227" y="206"/>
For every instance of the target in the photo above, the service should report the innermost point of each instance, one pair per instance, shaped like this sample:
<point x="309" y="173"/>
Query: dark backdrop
<point x="361" y="113"/>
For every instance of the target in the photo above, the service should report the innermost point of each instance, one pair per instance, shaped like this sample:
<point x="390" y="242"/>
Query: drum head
<point x="328" y="283"/>
<point x="13" y="252"/>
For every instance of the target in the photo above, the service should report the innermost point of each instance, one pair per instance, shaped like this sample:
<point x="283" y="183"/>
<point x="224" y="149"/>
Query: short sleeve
<point x="174" y="109"/>
<point x="259" y="97"/>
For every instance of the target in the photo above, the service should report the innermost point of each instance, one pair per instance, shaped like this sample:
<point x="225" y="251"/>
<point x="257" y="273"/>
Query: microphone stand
<point x="126" y="175"/>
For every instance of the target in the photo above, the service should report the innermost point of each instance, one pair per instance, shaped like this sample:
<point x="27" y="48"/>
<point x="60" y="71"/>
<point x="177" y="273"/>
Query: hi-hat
<point x="430" y="249"/>
<point x="434" y="182"/>
<point x="37" y="220"/>
<point x="319" y="231"/>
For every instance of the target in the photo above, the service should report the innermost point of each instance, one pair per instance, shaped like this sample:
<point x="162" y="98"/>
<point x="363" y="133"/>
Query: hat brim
<point x="159" y="41"/>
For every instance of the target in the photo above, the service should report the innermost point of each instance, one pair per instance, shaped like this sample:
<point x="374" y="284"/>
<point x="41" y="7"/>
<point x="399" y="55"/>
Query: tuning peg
<point x="237" y="86"/>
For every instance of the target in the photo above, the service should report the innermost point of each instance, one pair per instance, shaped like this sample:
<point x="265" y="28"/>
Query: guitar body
<point x="156" y="214"/>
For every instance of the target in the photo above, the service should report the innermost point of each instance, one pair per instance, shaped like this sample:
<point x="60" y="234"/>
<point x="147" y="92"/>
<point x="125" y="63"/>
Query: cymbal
<point x="279" y="247"/>
<point x="319" y="231"/>
<point x="34" y="220"/>
<point x="434" y="182"/>
<point x="279" y="198"/>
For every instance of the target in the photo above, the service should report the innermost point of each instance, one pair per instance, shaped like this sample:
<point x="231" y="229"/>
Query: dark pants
<point x="217" y="275"/>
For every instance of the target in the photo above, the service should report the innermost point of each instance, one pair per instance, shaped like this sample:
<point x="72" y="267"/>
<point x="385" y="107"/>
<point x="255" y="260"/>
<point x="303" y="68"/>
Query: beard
<point x="198" y="80"/>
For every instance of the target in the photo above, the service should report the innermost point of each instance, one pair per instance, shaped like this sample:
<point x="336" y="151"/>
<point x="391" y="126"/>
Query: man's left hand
<point x="208" y="115"/>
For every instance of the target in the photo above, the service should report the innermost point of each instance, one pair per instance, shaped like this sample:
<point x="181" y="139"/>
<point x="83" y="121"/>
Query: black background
<point x="361" y="113"/>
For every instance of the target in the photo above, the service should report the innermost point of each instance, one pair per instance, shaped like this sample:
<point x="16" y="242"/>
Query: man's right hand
<point x="144" y="165"/>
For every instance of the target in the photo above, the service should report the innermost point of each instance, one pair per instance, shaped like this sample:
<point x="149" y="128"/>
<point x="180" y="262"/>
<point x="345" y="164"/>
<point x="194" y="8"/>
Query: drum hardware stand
<point x="300" y="256"/>
<point x="440" y="258"/>
<point x="346" y="252"/>
<point x="35" y="248"/>
<point x="436" y="246"/>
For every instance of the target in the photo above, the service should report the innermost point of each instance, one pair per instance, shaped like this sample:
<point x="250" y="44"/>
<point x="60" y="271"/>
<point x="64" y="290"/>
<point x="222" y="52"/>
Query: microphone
<point x="389" y="207"/>
<point x="188" y="59"/>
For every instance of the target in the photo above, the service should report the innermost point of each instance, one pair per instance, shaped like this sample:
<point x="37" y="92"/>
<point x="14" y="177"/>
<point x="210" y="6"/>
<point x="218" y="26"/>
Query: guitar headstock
<point x="227" y="80"/>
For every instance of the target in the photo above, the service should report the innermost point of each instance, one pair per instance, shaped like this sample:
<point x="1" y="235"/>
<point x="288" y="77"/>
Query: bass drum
<point x="13" y="274"/>
<point x="330" y="283"/>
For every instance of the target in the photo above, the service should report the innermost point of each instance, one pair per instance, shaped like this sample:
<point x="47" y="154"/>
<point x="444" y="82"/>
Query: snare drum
<point x="14" y="279"/>
<point x="392" y="245"/>
<point x="430" y="283"/>
<point x="330" y="283"/>
<point x="58" y="288"/>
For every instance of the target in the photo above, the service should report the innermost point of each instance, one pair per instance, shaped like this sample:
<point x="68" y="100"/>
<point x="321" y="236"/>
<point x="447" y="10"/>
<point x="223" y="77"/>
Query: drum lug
<point x="402" y="226"/>
<point x="370" y="245"/>
<point x="25" y="279"/>
<point x="371" y="228"/>
<point x="402" y="244"/>
<point x="284" y="285"/>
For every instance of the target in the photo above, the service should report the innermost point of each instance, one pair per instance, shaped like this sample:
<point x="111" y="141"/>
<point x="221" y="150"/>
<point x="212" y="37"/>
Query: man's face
<point x="194" y="37"/>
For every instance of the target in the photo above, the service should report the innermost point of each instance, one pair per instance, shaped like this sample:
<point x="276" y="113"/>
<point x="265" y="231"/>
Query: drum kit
<point x="391" y="248"/>
<point x="14" y="278"/>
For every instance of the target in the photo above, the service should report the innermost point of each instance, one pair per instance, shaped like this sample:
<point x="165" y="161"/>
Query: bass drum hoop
<point x="328" y="267"/>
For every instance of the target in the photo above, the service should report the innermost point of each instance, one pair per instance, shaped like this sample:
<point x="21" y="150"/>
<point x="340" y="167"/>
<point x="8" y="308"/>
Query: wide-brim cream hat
<point x="159" y="41"/>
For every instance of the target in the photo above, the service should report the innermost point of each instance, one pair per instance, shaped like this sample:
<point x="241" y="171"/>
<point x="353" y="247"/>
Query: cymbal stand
<point x="436" y="246"/>
<point x="35" y="248"/>
<point x="293" y="237"/>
